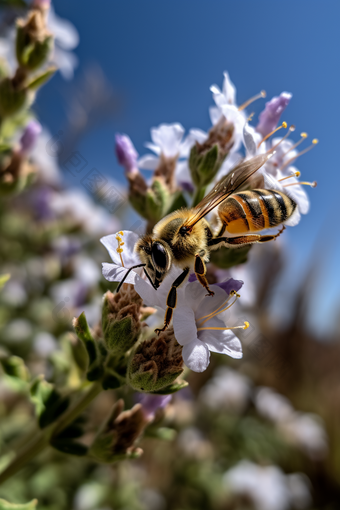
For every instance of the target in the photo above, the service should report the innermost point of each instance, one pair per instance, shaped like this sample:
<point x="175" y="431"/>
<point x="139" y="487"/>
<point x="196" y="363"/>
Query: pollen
<point x="119" y="249"/>
<point x="246" y="325"/>
<point x="283" y="125"/>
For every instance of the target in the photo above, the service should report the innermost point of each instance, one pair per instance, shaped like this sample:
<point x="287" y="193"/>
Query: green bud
<point x="116" y="438"/>
<point x="163" y="433"/>
<point x="172" y="388"/>
<point x="120" y="319"/>
<point x="204" y="166"/>
<point x="33" y="43"/>
<point x="15" y="367"/>
<point x="155" y="363"/>
<point x="79" y="352"/>
<point x="49" y="403"/>
<point x="95" y="356"/>
<point x="5" y="505"/>
<point x="225" y="258"/>
<point x="12" y="99"/>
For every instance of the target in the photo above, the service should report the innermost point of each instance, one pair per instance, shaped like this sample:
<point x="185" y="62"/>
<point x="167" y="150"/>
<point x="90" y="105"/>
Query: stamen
<point x="303" y="137"/>
<point x="218" y="311"/>
<point x="305" y="183"/>
<point x="252" y="99"/>
<point x="250" y="118"/>
<point x="290" y="130"/>
<point x="120" y="244"/>
<point x="314" y="142"/>
<point x="246" y="326"/>
<point x="283" y="125"/>
<point x="294" y="174"/>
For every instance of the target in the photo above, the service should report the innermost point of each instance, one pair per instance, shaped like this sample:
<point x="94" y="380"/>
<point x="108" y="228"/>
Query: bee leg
<point x="200" y="271"/>
<point x="172" y="300"/>
<point x="236" y="242"/>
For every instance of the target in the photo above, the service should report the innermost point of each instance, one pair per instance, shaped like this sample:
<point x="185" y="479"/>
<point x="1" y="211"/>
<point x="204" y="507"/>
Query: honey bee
<point x="185" y="238"/>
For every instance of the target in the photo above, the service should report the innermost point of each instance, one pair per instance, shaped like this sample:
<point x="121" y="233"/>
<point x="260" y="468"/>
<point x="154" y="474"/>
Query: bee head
<point x="157" y="256"/>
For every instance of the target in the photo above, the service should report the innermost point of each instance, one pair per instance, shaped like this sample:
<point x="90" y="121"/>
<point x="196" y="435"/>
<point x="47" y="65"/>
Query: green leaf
<point x="3" y="279"/>
<point x="15" y="367"/>
<point x="41" y="79"/>
<point x="5" y="505"/>
<point x="172" y="388"/>
<point x="13" y="3"/>
<point x="228" y="257"/>
<point x="70" y="447"/>
<point x="49" y="403"/>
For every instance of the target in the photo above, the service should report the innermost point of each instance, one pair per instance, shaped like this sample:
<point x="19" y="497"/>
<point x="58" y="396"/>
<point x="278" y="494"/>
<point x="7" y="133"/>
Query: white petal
<point x="229" y="89"/>
<point x="147" y="293"/>
<point x="196" y="356"/>
<point x="186" y="145"/>
<point x="130" y="258"/>
<point x="168" y="137"/>
<point x="249" y="139"/>
<point x="198" y="135"/>
<point x="114" y="273"/>
<point x="64" y="32"/>
<point x="298" y="194"/>
<point x="222" y="342"/>
<point x="214" y="114"/>
<point x="148" y="162"/>
<point x="154" y="148"/>
<point x="184" y="325"/>
<point x="205" y="305"/>
<point x="294" y="219"/>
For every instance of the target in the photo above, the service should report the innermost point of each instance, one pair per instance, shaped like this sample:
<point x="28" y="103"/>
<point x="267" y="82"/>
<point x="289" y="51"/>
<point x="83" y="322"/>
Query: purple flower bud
<point x="126" y="153"/>
<point x="270" y="116"/>
<point x="230" y="284"/>
<point x="151" y="403"/>
<point x="29" y="136"/>
<point x="187" y="186"/>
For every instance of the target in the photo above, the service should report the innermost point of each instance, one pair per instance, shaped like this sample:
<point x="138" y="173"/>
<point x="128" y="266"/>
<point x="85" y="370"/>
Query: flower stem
<point x="39" y="443"/>
<point x="199" y="195"/>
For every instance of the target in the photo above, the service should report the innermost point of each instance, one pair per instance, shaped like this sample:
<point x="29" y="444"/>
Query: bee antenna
<point x="126" y="274"/>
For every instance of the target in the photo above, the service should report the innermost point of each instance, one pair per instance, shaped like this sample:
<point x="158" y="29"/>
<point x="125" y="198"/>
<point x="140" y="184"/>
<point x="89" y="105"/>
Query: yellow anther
<point x="120" y="244"/>
<point x="234" y="293"/>
<point x="283" y="125"/>
<point x="263" y="93"/>
<point x="246" y="325"/>
<point x="315" y="141"/>
<point x="297" y="173"/>
<point x="304" y="135"/>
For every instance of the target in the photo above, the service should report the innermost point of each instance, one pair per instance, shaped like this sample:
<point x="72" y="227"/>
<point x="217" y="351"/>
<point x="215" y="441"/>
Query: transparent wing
<point x="226" y="186"/>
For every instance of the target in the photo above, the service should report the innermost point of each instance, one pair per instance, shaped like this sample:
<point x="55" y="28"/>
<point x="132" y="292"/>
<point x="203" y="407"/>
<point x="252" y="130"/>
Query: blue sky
<point x="162" y="57"/>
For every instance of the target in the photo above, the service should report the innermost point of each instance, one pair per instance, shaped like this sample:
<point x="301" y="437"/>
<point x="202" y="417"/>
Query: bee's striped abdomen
<point x="255" y="210"/>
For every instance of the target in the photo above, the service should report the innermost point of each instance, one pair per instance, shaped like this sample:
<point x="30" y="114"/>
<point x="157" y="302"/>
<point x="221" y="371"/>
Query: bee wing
<point x="226" y="186"/>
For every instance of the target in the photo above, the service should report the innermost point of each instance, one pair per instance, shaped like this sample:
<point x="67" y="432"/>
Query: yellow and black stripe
<point x="255" y="210"/>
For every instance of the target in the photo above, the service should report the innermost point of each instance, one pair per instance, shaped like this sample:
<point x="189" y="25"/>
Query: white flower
<point x="66" y="38"/>
<point x="267" y="486"/>
<point x="277" y="172"/>
<point x="195" y="321"/>
<point x="227" y="389"/>
<point x="167" y="141"/>
<point x="122" y="260"/>
<point x="306" y="431"/>
<point x="272" y="405"/>
<point x="81" y="208"/>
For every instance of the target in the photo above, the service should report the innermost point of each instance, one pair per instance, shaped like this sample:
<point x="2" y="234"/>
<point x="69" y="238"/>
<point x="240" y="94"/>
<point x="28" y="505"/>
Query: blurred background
<point x="262" y="433"/>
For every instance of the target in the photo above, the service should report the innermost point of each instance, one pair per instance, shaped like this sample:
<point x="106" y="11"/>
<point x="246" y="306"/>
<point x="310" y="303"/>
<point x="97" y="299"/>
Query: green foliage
<point x="48" y="401"/>
<point x="5" y="505"/>
<point x="228" y="257"/>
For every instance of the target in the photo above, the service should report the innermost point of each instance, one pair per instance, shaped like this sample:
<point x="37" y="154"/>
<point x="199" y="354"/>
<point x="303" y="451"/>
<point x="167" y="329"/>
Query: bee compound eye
<point x="159" y="256"/>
